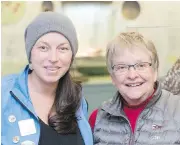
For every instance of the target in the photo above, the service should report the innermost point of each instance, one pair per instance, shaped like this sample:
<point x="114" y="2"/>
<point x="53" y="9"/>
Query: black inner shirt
<point x="48" y="136"/>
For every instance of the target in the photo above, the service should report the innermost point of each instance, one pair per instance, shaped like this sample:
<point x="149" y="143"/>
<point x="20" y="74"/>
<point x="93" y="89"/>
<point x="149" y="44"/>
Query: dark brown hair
<point x="66" y="103"/>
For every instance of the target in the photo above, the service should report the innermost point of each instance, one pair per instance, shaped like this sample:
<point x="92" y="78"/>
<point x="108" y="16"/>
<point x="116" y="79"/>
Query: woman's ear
<point x="30" y="66"/>
<point x="155" y="75"/>
<point x="112" y="79"/>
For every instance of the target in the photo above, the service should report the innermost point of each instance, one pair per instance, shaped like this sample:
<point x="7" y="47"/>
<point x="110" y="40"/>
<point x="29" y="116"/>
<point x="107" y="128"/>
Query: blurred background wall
<point x="96" y="23"/>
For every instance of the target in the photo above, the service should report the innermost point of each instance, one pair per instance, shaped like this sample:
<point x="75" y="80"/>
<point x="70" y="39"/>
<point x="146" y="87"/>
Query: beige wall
<point x="13" y="35"/>
<point x="159" y="21"/>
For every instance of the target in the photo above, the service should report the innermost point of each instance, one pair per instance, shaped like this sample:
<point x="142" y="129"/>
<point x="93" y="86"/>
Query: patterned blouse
<point x="171" y="82"/>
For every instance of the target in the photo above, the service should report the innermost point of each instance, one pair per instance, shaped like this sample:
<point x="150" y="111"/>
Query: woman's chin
<point x="51" y="80"/>
<point x="135" y="98"/>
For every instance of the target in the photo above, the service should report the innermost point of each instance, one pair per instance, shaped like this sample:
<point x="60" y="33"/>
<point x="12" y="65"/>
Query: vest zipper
<point x="141" y="114"/>
<point x="132" y="135"/>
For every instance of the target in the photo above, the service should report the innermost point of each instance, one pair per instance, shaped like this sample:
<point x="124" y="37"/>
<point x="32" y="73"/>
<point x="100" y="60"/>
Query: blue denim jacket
<point x="17" y="106"/>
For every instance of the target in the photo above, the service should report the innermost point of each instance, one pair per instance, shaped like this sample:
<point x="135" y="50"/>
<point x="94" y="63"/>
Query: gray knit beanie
<point x="50" y="22"/>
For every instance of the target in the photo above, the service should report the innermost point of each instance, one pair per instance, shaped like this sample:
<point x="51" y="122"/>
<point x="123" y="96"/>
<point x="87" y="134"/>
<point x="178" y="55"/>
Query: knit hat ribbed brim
<point x="50" y="22"/>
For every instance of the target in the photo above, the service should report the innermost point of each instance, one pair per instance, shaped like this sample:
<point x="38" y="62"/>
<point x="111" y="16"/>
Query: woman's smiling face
<point x="135" y="84"/>
<point x="51" y="57"/>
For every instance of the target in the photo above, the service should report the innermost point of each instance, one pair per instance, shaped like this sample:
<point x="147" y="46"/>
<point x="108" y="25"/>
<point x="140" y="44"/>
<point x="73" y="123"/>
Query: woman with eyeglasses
<point x="140" y="112"/>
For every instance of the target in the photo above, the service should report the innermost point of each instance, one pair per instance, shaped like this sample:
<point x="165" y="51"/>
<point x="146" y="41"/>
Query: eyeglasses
<point x="123" y="68"/>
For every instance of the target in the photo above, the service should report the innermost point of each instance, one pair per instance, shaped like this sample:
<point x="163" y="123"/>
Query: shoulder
<point x="7" y="83"/>
<point x="169" y="103"/>
<point x="8" y="79"/>
<point x="169" y="96"/>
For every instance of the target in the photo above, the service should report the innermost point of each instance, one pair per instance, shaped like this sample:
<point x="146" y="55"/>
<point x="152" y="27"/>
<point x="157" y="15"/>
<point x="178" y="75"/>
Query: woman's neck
<point x="40" y="87"/>
<point x="141" y="104"/>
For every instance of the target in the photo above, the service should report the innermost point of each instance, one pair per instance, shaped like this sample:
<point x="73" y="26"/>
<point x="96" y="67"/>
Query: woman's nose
<point x="132" y="73"/>
<point x="53" y="56"/>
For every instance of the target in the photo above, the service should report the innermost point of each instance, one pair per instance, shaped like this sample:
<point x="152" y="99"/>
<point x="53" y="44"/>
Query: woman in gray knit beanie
<point x="45" y="106"/>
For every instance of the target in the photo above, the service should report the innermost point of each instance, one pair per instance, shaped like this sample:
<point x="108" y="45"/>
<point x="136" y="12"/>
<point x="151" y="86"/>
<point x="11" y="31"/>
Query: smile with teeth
<point x="52" y="68"/>
<point x="134" y="85"/>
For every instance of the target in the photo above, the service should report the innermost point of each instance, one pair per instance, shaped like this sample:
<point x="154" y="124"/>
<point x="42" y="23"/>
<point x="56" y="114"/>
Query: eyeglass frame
<point x="129" y="66"/>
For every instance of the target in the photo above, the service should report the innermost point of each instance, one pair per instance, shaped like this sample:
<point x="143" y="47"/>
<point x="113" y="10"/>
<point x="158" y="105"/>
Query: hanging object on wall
<point x="12" y="11"/>
<point x="130" y="10"/>
<point x="47" y="6"/>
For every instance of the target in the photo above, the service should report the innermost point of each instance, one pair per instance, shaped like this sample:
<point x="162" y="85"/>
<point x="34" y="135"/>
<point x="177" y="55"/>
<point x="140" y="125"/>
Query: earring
<point x="30" y="66"/>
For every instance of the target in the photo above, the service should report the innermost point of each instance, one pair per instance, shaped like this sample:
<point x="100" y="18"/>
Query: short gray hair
<point x="128" y="40"/>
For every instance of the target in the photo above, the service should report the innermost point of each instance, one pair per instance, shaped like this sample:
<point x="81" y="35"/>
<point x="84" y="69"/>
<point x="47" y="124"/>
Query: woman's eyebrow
<point x="125" y="63"/>
<point x="62" y="44"/>
<point x="121" y="62"/>
<point x="43" y="43"/>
